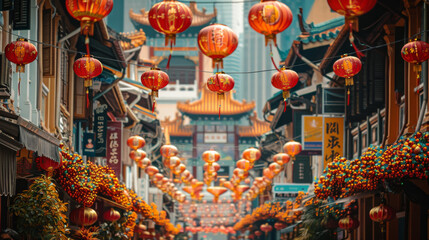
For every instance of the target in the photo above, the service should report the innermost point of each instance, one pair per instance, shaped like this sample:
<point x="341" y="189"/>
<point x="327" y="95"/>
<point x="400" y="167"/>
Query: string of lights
<point x="172" y="68"/>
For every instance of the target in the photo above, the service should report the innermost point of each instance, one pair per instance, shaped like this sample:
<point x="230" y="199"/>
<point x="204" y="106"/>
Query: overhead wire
<point x="204" y="71"/>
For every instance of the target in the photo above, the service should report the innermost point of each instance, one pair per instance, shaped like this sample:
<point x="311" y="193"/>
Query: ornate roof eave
<point x="208" y="105"/>
<point x="258" y="127"/>
<point x="175" y="127"/>
<point x="199" y="17"/>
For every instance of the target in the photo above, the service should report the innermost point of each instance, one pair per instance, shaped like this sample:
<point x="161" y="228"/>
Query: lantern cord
<point x="284" y="109"/>
<point x="169" y="57"/>
<point x="219" y="110"/>
<point x="19" y="83"/>
<point x="359" y="54"/>
<point x="87" y="44"/>
<point x="87" y="98"/>
<point x="272" y="59"/>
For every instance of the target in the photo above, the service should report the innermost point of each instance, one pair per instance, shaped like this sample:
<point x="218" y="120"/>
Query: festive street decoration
<point x="168" y="151"/>
<point x="220" y="83"/>
<point x="20" y="52"/>
<point x="210" y="156"/>
<point x="83" y="216"/>
<point x="88" y="12"/>
<point x="170" y="17"/>
<point x="144" y="163"/>
<point x="281" y="158"/>
<point x="217" y="41"/>
<point x="382" y="213"/>
<point x="347" y="67"/>
<point x="87" y="68"/>
<point x="251" y="154"/>
<point x="154" y="79"/>
<point x="48" y="164"/>
<point x="270" y="17"/>
<point x="266" y="228"/>
<point x="111" y="215"/>
<point x="416" y="52"/>
<point x="137" y="155"/>
<point x="348" y="223"/>
<point x="351" y="10"/>
<point x="292" y="148"/>
<point x="216" y="192"/>
<point x="135" y="142"/>
<point x="285" y="80"/>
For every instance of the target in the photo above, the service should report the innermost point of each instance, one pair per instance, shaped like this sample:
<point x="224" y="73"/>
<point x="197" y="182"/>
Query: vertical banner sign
<point x="100" y="129"/>
<point x="114" y="139"/>
<point x="333" y="136"/>
<point x="88" y="144"/>
<point x="312" y="132"/>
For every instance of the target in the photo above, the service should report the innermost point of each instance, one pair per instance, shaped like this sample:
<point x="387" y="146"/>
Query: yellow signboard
<point x="312" y="132"/>
<point x="333" y="138"/>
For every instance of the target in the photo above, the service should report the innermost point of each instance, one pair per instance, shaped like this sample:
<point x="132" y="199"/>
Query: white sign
<point x="215" y="138"/>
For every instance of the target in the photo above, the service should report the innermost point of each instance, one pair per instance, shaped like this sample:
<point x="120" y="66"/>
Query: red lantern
<point x="151" y="170"/>
<point x="217" y="41"/>
<point x="266" y="228"/>
<point x="220" y="83"/>
<point x="292" y="148"/>
<point x="279" y="225"/>
<point x="136" y="142"/>
<point x="210" y="156"/>
<point x="416" y="52"/>
<point x="144" y="163"/>
<point x="243" y="164"/>
<point x="270" y="17"/>
<point x="87" y="68"/>
<point x="347" y="67"/>
<point x="168" y="151"/>
<point x="258" y="233"/>
<point x="83" y="216"/>
<point x="348" y="223"/>
<point x="154" y="79"/>
<point x="281" y="158"/>
<point x="170" y="18"/>
<point x="88" y="12"/>
<point x="351" y="9"/>
<point x="21" y="52"/>
<point x="111" y="215"/>
<point x="285" y="80"/>
<point x="381" y="214"/>
<point x="48" y="164"/>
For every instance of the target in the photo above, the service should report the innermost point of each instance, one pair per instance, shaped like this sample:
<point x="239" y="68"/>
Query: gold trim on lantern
<point x="286" y="94"/>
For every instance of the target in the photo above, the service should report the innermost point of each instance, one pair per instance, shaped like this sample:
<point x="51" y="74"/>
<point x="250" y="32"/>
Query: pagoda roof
<point x="200" y="19"/>
<point x="175" y="127"/>
<point x="258" y="127"/>
<point x="208" y="105"/>
<point x="136" y="39"/>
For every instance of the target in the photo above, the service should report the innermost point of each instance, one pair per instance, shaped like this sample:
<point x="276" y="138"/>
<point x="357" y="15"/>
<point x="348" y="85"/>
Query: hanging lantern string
<point x="359" y="54"/>
<point x="271" y="55"/>
<point x="218" y="96"/>
<point x="87" y="44"/>
<point x="203" y="71"/>
<point x="169" y="57"/>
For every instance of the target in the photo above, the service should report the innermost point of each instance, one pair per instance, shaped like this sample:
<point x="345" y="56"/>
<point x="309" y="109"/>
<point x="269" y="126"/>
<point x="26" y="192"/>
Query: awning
<point x="38" y="140"/>
<point x="7" y="171"/>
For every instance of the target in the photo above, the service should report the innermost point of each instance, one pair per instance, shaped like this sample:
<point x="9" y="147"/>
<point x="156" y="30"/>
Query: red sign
<point x="114" y="140"/>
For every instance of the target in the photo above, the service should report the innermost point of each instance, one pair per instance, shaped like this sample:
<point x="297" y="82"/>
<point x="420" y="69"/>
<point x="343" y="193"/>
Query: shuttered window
<point x="48" y="60"/>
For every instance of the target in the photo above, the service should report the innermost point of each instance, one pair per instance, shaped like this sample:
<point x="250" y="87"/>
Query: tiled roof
<point x="323" y="31"/>
<point x="175" y="127"/>
<point x="137" y="38"/>
<point x="208" y="105"/>
<point x="258" y="128"/>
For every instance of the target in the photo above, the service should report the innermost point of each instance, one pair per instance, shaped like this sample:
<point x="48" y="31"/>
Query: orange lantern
<point x="151" y="170"/>
<point x="251" y="154"/>
<point x="136" y="142"/>
<point x="243" y="164"/>
<point x="111" y="215"/>
<point x="268" y="173"/>
<point x="172" y="162"/>
<point x="275" y="168"/>
<point x="170" y="17"/>
<point x="154" y="79"/>
<point x="217" y="41"/>
<point x="220" y="83"/>
<point x="83" y="216"/>
<point x="285" y="80"/>
<point x="168" y="151"/>
<point x="281" y="158"/>
<point x="292" y="148"/>
<point x="179" y="169"/>
<point x="210" y="156"/>
<point x="88" y="12"/>
<point x="216" y="191"/>
<point x="137" y="155"/>
<point x="210" y="168"/>
<point x="144" y="163"/>
<point x="270" y="17"/>
<point x="416" y="52"/>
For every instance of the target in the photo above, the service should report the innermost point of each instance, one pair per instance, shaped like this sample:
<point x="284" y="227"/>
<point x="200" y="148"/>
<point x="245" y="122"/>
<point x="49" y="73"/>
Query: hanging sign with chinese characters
<point x="114" y="140"/>
<point x="333" y="138"/>
<point x="100" y="128"/>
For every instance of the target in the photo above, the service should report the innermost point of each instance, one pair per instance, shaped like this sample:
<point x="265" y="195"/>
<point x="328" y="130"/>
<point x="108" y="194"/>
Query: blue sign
<point x="290" y="188"/>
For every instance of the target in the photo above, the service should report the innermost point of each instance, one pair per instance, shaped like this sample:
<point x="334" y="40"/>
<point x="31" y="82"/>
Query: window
<point x="355" y="146"/>
<point x="45" y="92"/>
<point x="64" y="74"/>
<point x="364" y="140"/>
<point x="209" y="128"/>
<point x="48" y="53"/>
<point x="221" y="128"/>
<point x="374" y="135"/>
